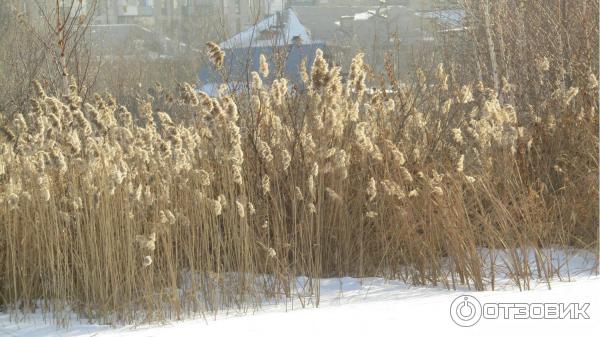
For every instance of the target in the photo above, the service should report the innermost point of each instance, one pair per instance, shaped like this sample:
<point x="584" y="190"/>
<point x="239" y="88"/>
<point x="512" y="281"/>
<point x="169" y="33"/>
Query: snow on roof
<point x="266" y="33"/>
<point x="364" y="15"/>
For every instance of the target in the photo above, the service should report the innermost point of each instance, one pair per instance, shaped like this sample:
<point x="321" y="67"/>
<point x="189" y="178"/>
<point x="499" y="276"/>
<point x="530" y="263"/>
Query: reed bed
<point x="224" y="201"/>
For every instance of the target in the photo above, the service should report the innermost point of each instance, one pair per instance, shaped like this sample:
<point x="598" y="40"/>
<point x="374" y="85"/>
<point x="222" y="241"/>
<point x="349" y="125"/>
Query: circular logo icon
<point x="465" y="310"/>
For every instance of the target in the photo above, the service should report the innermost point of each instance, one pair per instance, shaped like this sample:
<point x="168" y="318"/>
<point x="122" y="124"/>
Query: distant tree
<point x="67" y="23"/>
<point x="44" y="40"/>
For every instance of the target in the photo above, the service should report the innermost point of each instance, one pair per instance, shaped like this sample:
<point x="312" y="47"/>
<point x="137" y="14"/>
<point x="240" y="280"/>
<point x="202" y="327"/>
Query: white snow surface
<point x="363" y="16"/>
<point x="365" y="307"/>
<point x="251" y="36"/>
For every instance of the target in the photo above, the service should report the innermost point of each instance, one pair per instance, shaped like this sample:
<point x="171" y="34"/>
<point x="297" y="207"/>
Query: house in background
<point x="127" y="40"/>
<point x="378" y="29"/>
<point x="373" y="29"/>
<point x="281" y="37"/>
<point x="188" y="21"/>
<point x="110" y="12"/>
<point x="35" y="10"/>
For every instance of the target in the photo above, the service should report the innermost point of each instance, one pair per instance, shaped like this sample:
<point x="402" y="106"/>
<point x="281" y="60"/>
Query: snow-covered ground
<point x="368" y="307"/>
<point x="364" y="307"/>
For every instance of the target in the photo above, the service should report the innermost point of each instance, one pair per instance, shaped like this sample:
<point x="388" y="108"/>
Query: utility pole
<point x="491" y="46"/>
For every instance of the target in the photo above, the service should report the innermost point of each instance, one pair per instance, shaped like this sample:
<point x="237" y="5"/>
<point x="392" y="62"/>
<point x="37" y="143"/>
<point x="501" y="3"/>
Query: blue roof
<point x="240" y="62"/>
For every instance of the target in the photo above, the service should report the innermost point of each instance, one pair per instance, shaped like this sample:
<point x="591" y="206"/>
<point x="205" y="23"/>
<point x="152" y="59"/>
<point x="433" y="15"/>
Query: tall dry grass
<point x="196" y="204"/>
<point x="225" y="202"/>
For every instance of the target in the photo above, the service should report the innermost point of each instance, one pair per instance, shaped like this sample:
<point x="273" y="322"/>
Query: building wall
<point x="120" y="11"/>
<point x="240" y="14"/>
<point x="177" y="19"/>
<point x="31" y="8"/>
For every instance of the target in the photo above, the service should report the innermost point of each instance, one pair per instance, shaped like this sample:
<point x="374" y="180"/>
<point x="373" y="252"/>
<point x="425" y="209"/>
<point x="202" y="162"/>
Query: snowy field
<point x="365" y="307"/>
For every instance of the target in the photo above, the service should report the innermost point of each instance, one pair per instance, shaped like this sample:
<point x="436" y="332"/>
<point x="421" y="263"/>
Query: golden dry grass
<point x="139" y="218"/>
<point x="223" y="201"/>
